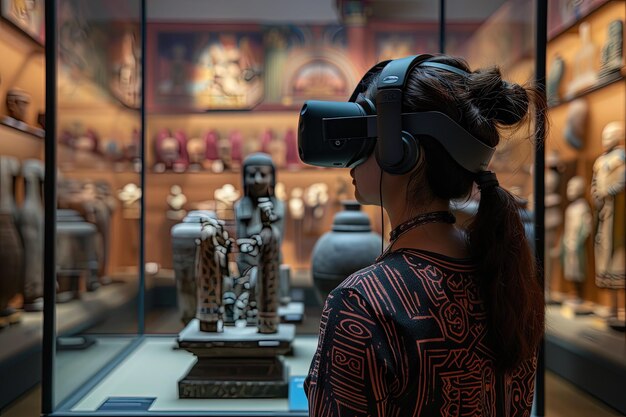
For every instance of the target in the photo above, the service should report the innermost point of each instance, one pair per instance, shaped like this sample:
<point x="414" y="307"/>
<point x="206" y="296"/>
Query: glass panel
<point x="585" y="197"/>
<point x="22" y="98"/>
<point x="99" y="190"/>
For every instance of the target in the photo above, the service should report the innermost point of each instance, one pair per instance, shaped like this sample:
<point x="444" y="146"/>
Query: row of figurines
<point x="584" y="68"/>
<point x="175" y="151"/>
<point x="603" y="219"/>
<point x="214" y="292"/>
<point x="83" y="233"/>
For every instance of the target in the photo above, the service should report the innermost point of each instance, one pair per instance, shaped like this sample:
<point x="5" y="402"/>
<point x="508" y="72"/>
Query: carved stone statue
<point x="553" y="221"/>
<point x="612" y="56"/>
<point x="577" y="228"/>
<point x="11" y="250"/>
<point x="268" y="275"/>
<point x="31" y="227"/>
<point x="17" y="101"/>
<point x="259" y="180"/>
<point x="576" y="125"/>
<point x="236" y="361"/>
<point x="607" y="190"/>
<point x="211" y="269"/>
<point x="584" y="70"/>
<point x="176" y="200"/>
<point x="553" y="81"/>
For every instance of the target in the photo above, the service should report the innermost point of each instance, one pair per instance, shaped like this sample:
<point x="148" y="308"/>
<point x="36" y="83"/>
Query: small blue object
<point x="127" y="404"/>
<point x="297" y="398"/>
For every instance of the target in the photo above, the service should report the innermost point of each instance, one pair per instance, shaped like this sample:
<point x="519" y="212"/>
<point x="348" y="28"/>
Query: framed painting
<point x="202" y="67"/>
<point x="27" y="16"/>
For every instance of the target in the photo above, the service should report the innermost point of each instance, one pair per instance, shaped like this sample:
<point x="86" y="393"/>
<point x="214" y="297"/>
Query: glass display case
<point x="160" y="111"/>
<point x="585" y="195"/>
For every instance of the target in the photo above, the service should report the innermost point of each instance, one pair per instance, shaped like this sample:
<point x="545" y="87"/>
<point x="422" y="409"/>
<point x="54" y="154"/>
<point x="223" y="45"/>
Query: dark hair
<point x="482" y="103"/>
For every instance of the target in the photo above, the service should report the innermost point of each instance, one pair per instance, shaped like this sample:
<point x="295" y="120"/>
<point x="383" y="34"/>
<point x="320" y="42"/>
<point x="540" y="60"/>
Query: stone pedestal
<point x="236" y="363"/>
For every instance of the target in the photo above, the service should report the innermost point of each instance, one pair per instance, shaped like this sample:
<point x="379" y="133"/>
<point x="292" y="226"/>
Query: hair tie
<point x="486" y="180"/>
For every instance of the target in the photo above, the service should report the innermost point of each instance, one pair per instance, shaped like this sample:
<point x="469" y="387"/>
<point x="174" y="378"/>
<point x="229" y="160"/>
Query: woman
<point x="447" y="321"/>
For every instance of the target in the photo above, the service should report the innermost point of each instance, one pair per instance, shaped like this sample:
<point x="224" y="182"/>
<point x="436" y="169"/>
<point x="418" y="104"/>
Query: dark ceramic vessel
<point x="348" y="247"/>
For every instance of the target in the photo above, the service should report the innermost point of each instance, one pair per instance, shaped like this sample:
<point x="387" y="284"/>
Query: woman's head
<point x="483" y="104"/>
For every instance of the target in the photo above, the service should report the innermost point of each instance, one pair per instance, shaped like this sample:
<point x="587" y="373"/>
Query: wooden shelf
<point x="598" y="86"/>
<point x="569" y="28"/>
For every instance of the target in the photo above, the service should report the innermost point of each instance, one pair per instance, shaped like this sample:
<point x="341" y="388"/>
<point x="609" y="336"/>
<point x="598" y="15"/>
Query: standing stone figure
<point x="612" y="56"/>
<point x="268" y="275"/>
<point x="576" y="230"/>
<point x="607" y="190"/>
<point x="31" y="227"/>
<point x="259" y="180"/>
<point x="211" y="269"/>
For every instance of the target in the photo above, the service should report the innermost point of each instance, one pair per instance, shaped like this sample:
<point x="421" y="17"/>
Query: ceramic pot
<point x="348" y="247"/>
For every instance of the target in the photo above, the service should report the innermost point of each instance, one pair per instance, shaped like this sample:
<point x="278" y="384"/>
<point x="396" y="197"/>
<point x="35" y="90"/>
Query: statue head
<point x="259" y="175"/>
<point x="575" y="188"/>
<point x="612" y="135"/>
<point x="17" y="103"/>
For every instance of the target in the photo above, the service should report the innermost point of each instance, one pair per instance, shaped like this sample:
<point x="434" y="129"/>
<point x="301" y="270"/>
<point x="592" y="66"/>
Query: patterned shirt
<point x="407" y="337"/>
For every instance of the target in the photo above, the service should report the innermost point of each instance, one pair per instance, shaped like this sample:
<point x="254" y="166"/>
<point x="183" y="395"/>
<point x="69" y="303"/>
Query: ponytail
<point x="507" y="276"/>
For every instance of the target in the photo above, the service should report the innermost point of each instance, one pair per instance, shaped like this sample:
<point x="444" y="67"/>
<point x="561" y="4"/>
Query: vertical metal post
<point x="541" y="36"/>
<point x="50" y="183"/>
<point x="442" y="26"/>
<point x="141" y="313"/>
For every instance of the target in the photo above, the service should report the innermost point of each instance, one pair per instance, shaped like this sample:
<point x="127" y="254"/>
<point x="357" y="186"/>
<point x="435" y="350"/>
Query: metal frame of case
<point x="49" y="331"/>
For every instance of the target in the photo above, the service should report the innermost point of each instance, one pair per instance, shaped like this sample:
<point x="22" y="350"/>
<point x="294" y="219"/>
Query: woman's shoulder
<point x="398" y="268"/>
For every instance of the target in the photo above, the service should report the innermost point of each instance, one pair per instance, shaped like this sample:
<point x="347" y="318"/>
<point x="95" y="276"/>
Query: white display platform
<point x="155" y="366"/>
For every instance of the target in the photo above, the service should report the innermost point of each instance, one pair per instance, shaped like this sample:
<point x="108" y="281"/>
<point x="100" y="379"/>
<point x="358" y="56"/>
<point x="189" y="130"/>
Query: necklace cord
<point x="419" y="220"/>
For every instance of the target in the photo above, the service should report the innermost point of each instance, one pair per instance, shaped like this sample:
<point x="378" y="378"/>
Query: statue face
<point x="17" y="106"/>
<point x="575" y="188"/>
<point x="612" y="135"/>
<point x="258" y="179"/>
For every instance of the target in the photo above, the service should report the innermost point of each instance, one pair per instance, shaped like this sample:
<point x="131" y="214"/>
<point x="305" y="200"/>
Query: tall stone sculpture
<point x="576" y="229"/>
<point x="31" y="227"/>
<point x="259" y="180"/>
<point x="236" y="361"/>
<point x="211" y="270"/>
<point x="11" y="250"/>
<point x="607" y="190"/>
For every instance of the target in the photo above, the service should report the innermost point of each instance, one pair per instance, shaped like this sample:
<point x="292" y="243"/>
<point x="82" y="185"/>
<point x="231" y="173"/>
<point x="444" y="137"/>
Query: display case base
<point x="236" y="363"/>
<point x="235" y="378"/>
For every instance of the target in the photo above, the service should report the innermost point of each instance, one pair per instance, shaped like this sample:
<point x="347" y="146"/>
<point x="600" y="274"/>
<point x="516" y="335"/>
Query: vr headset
<point x="344" y="134"/>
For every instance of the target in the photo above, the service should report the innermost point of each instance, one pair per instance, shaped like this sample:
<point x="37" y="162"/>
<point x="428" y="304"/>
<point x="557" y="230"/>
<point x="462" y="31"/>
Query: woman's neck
<point x="402" y="212"/>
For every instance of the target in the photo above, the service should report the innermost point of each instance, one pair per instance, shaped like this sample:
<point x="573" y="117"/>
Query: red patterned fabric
<point x="407" y="337"/>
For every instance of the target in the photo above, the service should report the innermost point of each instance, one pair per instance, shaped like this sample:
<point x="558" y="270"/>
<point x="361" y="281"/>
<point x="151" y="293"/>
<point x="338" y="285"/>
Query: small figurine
<point x="576" y="125"/>
<point x="17" y="101"/>
<point x="176" y="200"/>
<point x="196" y="149"/>
<point x="584" y="71"/>
<point x="612" y="56"/>
<point x="130" y="196"/>
<point x="553" y="82"/>
<point x="577" y="228"/>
